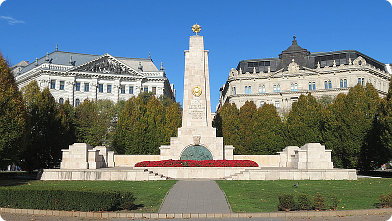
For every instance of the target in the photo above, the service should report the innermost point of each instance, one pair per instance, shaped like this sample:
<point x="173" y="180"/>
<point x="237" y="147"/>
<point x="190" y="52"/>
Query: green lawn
<point x="262" y="196"/>
<point x="243" y="196"/>
<point x="149" y="194"/>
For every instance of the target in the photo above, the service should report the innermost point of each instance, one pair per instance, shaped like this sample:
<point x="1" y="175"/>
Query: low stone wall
<point x="125" y="174"/>
<point x="228" y="173"/>
<point x="261" y="160"/>
<point x="131" y="160"/>
<point x="253" y="173"/>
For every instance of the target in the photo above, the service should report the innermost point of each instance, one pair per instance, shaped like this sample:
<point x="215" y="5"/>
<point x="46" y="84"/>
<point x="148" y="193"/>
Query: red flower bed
<point x="198" y="163"/>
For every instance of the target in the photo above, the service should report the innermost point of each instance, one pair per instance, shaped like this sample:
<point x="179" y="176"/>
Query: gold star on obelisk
<point x="196" y="28"/>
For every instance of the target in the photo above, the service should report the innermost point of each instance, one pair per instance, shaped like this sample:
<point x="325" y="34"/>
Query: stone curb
<point x="199" y="215"/>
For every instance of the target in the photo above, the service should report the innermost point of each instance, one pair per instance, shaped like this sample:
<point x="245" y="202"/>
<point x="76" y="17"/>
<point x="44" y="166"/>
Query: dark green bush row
<point x="12" y="174"/>
<point x="301" y="201"/>
<point x="83" y="200"/>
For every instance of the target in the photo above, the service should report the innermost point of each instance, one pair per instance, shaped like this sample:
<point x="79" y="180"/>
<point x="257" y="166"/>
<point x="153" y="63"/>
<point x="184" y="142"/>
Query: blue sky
<point x="232" y="30"/>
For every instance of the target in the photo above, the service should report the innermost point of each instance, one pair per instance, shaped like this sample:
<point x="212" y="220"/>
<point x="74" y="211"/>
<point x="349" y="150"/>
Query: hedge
<point x="54" y="199"/>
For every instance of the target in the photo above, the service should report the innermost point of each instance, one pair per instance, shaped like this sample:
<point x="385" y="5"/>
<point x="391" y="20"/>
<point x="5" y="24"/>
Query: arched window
<point x="61" y="100"/>
<point x="77" y="102"/>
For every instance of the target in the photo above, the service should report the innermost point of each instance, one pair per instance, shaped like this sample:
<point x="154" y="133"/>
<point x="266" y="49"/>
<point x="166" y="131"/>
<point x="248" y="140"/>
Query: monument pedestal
<point x="196" y="138"/>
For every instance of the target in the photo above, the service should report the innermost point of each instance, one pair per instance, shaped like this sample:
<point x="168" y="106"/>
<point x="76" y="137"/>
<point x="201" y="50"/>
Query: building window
<point x="86" y="87"/>
<point x="328" y="84"/>
<point x="276" y="88"/>
<point x="130" y="89"/>
<point x="53" y="84"/>
<point x="100" y="88"/>
<point x="341" y="83"/>
<point x="248" y="89"/>
<point x="145" y="89"/>
<point x="109" y="88"/>
<point x="261" y="103"/>
<point x="277" y="104"/>
<point x="262" y="89"/>
<point x="361" y="81"/>
<point x="122" y="88"/>
<point x="154" y="90"/>
<point x="312" y="86"/>
<point x="77" y="102"/>
<point x="61" y="85"/>
<point x="77" y="86"/>
<point x="61" y="100"/>
<point x="344" y="82"/>
<point x="234" y="90"/>
<point x="294" y="87"/>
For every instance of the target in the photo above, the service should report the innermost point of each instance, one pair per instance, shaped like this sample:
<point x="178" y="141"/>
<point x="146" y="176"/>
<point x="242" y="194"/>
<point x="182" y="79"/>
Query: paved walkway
<point x="195" y="196"/>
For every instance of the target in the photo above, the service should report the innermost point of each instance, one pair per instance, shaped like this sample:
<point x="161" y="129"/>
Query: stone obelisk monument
<point x="196" y="138"/>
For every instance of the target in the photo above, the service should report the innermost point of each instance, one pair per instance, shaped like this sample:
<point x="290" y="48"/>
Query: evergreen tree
<point x="268" y="137"/>
<point x="155" y="125"/>
<point x="347" y="124"/>
<point x="304" y="121"/>
<point x="229" y="115"/>
<point x="385" y="123"/>
<point x="373" y="152"/>
<point x="12" y="116"/>
<point x="144" y="126"/>
<point x="173" y="119"/>
<point x="246" y="114"/>
<point x="124" y="134"/>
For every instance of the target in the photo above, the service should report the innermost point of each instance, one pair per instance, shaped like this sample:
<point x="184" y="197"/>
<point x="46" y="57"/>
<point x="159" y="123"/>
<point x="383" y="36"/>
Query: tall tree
<point x="45" y="129"/>
<point x="268" y="136"/>
<point x="348" y="123"/>
<point x="230" y="126"/>
<point x="143" y="126"/>
<point x="155" y="125"/>
<point x="12" y="116"/>
<point x="246" y="114"/>
<point x="67" y="118"/>
<point x="385" y="123"/>
<point x="304" y="121"/>
<point x="93" y="121"/>
<point x="173" y="119"/>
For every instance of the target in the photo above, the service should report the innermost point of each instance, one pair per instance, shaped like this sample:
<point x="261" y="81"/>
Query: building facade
<point x="77" y="77"/>
<point x="280" y="81"/>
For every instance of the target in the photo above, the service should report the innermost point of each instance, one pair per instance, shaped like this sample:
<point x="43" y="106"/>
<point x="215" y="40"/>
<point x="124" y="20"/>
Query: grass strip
<point x="149" y="194"/>
<point x="262" y="196"/>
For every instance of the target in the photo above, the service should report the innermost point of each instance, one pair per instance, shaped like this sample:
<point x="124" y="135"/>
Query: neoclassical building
<point x="280" y="81"/>
<point x="76" y="76"/>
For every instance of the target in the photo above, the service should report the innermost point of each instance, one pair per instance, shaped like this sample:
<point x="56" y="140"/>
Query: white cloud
<point x="11" y="21"/>
<point x="1" y="2"/>
<point x="390" y="1"/>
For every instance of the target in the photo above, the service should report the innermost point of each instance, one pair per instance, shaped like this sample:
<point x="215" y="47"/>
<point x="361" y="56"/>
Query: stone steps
<point x="154" y="176"/>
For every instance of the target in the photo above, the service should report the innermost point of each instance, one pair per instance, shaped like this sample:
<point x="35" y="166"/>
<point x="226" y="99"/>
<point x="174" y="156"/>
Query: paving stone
<point x="195" y="196"/>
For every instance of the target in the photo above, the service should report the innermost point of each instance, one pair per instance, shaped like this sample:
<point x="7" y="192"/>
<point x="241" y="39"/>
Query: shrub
<point x="303" y="201"/>
<point x="385" y="201"/>
<point x="286" y="202"/>
<point x="198" y="163"/>
<point x="55" y="199"/>
<point x="319" y="202"/>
